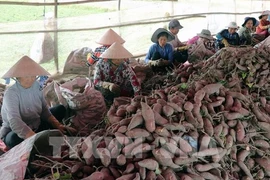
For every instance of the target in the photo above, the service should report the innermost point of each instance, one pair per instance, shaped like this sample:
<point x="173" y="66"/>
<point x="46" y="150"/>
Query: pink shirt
<point x="193" y="40"/>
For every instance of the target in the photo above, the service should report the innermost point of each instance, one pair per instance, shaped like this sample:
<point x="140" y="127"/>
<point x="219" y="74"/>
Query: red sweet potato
<point x="148" y="116"/>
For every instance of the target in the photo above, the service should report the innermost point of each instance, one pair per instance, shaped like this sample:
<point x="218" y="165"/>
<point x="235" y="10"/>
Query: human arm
<point x="264" y="24"/>
<point x="149" y="54"/>
<point x="170" y="54"/>
<point x="131" y="76"/>
<point x="11" y="109"/>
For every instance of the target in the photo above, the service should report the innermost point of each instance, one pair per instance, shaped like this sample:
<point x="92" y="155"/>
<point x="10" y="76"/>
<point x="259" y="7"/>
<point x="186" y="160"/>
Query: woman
<point x="160" y="54"/>
<point x="201" y="46"/>
<point x="113" y="76"/>
<point x="228" y="37"/>
<point x="105" y="41"/>
<point x="264" y="24"/>
<point x="245" y="32"/>
<point x="180" y="49"/>
<point x="24" y="110"/>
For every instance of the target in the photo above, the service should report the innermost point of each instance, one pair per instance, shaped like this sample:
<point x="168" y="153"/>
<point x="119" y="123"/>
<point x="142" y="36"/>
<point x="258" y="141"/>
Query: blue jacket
<point x="233" y="39"/>
<point x="165" y="53"/>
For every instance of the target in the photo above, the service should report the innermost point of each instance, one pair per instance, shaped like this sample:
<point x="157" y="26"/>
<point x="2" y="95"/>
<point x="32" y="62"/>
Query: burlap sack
<point x="76" y="62"/>
<point x="42" y="49"/>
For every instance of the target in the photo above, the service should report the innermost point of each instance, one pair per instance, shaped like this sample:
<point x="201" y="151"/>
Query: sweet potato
<point x="218" y="129"/>
<point x="212" y="88"/>
<point x="174" y="127"/>
<point x="122" y="129"/>
<point x="142" y="172"/>
<point x="239" y="96"/>
<point x="122" y="139"/>
<point x="188" y="106"/>
<point x="208" y="152"/>
<point x="104" y="155"/>
<point x="184" y="160"/>
<point x="137" y="133"/>
<point x="115" y="172"/>
<point x="115" y="151"/>
<point x="233" y="115"/>
<point x="128" y="148"/>
<point x="169" y="174"/>
<point x="162" y="131"/>
<point x="172" y="148"/>
<point x="141" y="148"/>
<point x="245" y="169"/>
<point x="159" y="141"/>
<point x="261" y="144"/>
<point x="160" y="177"/>
<point x="240" y="132"/>
<point x="199" y="95"/>
<point x="164" y="158"/>
<point x="121" y="160"/>
<point x="167" y="110"/>
<point x="159" y="119"/>
<point x="150" y="164"/>
<point x="148" y="116"/>
<point x="157" y="107"/>
<point x="184" y="145"/>
<point x="204" y="141"/>
<point x="229" y="141"/>
<point x="208" y="127"/>
<point x="190" y="118"/>
<point x="135" y="121"/>
<point x="197" y="115"/>
<point x="208" y="175"/>
<point x="130" y="176"/>
<point x="232" y="123"/>
<point x="175" y="106"/>
<point x="162" y="102"/>
<point x="129" y="168"/>
<point x="96" y="176"/>
<point x="131" y="108"/>
<point x="216" y="158"/>
<point x="206" y="167"/>
<point x="121" y="112"/>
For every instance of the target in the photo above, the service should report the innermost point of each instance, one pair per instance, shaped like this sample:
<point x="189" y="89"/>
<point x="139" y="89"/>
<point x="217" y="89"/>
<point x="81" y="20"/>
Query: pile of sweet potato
<point x="213" y="123"/>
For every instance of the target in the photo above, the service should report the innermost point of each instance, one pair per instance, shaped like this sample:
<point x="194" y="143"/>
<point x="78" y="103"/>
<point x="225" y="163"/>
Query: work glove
<point x="114" y="88"/>
<point x="63" y="129"/>
<point x="182" y="48"/>
<point x="153" y="63"/>
<point x="225" y="42"/>
<point x="162" y="62"/>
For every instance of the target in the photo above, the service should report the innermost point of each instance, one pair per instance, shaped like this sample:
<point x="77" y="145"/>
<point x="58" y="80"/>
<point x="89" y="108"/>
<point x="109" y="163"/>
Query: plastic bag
<point x="87" y="101"/>
<point x="53" y="96"/>
<point x="42" y="49"/>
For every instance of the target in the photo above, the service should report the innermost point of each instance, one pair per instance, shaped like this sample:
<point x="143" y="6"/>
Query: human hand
<point x="114" y="88"/>
<point x="29" y="134"/>
<point x="163" y="62"/>
<point x="153" y="63"/>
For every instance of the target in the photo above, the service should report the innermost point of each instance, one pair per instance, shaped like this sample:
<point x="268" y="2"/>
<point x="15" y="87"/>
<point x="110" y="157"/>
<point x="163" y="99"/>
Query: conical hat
<point x="116" y="51"/>
<point x="25" y="67"/>
<point x="109" y="38"/>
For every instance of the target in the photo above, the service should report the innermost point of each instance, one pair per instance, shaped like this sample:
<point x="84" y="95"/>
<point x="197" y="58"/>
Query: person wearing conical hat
<point x="105" y="41"/>
<point x="228" y="37"/>
<point x="264" y="24"/>
<point x="24" y="110"/>
<point x="160" y="54"/>
<point x="113" y="76"/>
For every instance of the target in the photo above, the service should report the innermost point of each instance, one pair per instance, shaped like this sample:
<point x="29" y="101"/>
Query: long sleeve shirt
<point x="123" y="76"/>
<point x="165" y="52"/>
<point x="176" y="42"/>
<point x="233" y="39"/>
<point x="23" y="109"/>
<point x="93" y="57"/>
<point x="259" y="29"/>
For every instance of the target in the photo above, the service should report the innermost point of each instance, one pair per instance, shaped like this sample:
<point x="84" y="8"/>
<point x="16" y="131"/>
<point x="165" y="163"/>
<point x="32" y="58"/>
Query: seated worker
<point x="160" y="54"/>
<point x="228" y="37"/>
<point x="245" y="32"/>
<point x="180" y="49"/>
<point x="113" y="76"/>
<point x="105" y="41"/>
<point x="201" y="46"/>
<point x="24" y="110"/>
<point x="264" y="25"/>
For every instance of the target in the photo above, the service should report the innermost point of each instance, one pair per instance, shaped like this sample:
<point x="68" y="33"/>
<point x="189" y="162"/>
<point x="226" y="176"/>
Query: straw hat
<point x="233" y="25"/>
<point x="249" y="18"/>
<point x="110" y="37"/>
<point x="154" y="37"/>
<point x="116" y="51"/>
<point x="205" y="33"/>
<point x="25" y="67"/>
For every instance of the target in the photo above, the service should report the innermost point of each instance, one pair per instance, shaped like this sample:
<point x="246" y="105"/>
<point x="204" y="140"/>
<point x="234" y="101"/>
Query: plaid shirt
<point x="93" y="57"/>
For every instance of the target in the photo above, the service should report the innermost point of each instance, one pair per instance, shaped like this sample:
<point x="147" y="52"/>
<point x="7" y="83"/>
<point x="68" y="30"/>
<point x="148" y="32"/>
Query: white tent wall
<point x="135" y="22"/>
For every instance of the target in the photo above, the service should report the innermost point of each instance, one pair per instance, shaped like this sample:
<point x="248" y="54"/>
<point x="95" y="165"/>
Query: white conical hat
<point x="109" y="38"/>
<point x="116" y="51"/>
<point x="25" y="67"/>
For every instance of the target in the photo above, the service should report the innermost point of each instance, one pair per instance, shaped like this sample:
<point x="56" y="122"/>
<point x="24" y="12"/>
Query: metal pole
<point x="56" y="36"/>
<point x="119" y="5"/>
